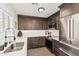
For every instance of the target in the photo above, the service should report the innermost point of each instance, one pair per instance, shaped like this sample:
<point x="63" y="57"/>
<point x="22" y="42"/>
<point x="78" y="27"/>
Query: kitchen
<point x="41" y="29"/>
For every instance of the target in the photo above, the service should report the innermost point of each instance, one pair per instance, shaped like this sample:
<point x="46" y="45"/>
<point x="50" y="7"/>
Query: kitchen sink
<point x="15" y="47"/>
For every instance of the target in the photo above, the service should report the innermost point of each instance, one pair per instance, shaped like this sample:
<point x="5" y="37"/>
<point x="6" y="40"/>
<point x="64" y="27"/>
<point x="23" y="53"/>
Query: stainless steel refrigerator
<point x="70" y="33"/>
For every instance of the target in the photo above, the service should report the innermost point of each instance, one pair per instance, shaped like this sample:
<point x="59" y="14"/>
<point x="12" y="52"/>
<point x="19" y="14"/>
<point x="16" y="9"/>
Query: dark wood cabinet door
<point x="36" y="42"/>
<point x="57" y="51"/>
<point x="24" y="24"/>
<point x="29" y="43"/>
<point x="62" y="54"/>
<point x="32" y="23"/>
<point x="54" y="19"/>
<point x="45" y="25"/>
<point x="67" y="9"/>
<point x="55" y="47"/>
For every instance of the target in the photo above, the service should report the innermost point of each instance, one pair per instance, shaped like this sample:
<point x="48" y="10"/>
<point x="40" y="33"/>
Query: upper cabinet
<point x="32" y="23"/>
<point x="54" y="20"/>
<point x="67" y="9"/>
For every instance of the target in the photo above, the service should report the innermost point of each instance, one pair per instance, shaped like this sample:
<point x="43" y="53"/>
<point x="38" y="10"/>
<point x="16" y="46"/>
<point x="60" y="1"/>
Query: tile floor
<point x="39" y="52"/>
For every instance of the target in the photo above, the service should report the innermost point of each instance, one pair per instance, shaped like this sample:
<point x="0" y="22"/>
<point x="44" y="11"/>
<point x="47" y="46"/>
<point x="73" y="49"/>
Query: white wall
<point x="36" y="33"/>
<point x="33" y="33"/>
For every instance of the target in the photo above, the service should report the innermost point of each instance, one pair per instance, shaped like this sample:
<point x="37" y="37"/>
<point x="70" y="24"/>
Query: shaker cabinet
<point x="54" y="20"/>
<point x="35" y="42"/>
<point x="32" y="23"/>
<point x="56" y="48"/>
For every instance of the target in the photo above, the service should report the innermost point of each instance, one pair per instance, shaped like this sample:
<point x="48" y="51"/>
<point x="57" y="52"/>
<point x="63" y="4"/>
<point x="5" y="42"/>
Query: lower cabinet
<point x="48" y="44"/>
<point x="35" y="42"/>
<point x="61" y="53"/>
<point x="56" y="50"/>
<point x="52" y="45"/>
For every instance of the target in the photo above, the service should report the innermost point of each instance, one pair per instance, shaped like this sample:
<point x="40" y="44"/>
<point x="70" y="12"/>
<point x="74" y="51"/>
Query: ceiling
<point x="31" y="9"/>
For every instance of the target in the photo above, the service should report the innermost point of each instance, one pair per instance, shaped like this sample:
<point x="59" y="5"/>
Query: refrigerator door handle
<point x="70" y="28"/>
<point x="73" y="28"/>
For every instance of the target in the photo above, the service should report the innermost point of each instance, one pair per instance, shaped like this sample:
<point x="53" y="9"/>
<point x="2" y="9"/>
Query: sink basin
<point x="18" y="46"/>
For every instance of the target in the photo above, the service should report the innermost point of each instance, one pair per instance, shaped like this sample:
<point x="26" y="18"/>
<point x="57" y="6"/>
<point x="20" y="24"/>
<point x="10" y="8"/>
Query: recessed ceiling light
<point x="34" y="3"/>
<point x="41" y="9"/>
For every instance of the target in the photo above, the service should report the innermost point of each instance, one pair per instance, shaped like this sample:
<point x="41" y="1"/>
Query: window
<point x="6" y="20"/>
<point x="1" y="20"/>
